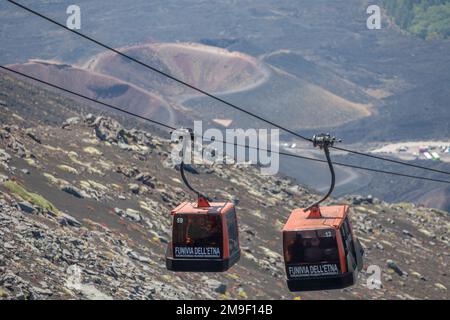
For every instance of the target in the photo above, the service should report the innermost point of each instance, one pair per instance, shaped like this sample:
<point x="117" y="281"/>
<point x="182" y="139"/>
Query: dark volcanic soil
<point x="322" y="57"/>
<point x="100" y="226"/>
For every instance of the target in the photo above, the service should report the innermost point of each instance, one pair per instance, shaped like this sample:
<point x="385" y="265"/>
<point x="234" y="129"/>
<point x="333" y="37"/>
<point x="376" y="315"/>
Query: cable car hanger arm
<point x="202" y="199"/>
<point x="324" y="141"/>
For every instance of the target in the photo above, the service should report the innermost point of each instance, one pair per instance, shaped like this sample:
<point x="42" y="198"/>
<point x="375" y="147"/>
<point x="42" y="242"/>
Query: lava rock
<point x="393" y="266"/>
<point x="215" y="285"/>
<point x="66" y="219"/>
<point x="4" y="156"/>
<point x="70" y="122"/>
<point x="407" y="233"/>
<point x="128" y="214"/>
<point x="33" y="136"/>
<point x="107" y="129"/>
<point x="133" y="215"/>
<point x="146" y="179"/>
<point x="358" y="200"/>
<point x="26" y="207"/>
<point x="74" y="191"/>
<point x="134" y="188"/>
<point x="136" y="256"/>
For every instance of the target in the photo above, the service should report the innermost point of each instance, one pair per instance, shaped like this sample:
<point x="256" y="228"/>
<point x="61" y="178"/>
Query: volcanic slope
<point x="303" y="97"/>
<point x="256" y="84"/>
<point x="210" y="68"/>
<point x="84" y="213"/>
<point x="97" y="86"/>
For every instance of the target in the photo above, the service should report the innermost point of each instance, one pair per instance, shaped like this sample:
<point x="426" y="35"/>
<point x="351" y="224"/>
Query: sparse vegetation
<point x="33" y="198"/>
<point x="428" y="19"/>
<point x="68" y="169"/>
<point x="92" y="151"/>
<point x="55" y="181"/>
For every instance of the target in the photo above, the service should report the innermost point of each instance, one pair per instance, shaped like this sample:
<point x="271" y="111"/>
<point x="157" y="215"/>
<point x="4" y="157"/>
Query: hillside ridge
<point x="84" y="213"/>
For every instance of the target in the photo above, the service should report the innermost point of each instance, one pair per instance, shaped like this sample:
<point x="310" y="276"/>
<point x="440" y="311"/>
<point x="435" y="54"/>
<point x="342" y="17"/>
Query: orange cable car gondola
<point x="320" y="250"/>
<point x="204" y="234"/>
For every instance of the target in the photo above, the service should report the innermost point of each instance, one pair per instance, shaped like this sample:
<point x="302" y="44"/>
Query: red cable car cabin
<point x="320" y="250"/>
<point x="320" y="253"/>
<point x="204" y="237"/>
<point x="204" y="234"/>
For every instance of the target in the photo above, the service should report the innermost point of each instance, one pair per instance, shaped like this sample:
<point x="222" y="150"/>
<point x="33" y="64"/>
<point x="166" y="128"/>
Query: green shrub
<point x="33" y="198"/>
<point x="428" y="19"/>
